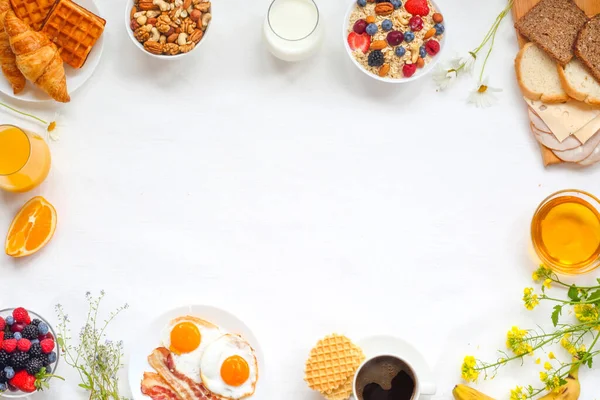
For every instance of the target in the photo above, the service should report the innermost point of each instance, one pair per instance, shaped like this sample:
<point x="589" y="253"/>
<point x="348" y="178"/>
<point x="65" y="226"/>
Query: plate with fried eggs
<point x="210" y="346"/>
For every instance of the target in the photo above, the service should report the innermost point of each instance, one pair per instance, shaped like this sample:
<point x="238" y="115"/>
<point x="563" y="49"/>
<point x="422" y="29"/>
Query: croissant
<point x="37" y="58"/>
<point x="7" y="57"/>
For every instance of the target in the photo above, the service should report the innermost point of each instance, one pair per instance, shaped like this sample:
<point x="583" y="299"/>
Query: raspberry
<point x="23" y="381"/>
<point x="21" y="315"/>
<point x="409" y="70"/>
<point x="2" y="324"/>
<point x="1" y="336"/>
<point x="47" y="345"/>
<point x="417" y="7"/>
<point x="24" y="345"/>
<point x="432" y="47"/>
<point x="30" y="332"/>
<point x="9" y="345"/>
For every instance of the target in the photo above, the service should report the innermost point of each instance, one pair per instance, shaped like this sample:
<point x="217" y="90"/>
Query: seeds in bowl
<point x="391" y="39"/>
<point x="170" y="27"/>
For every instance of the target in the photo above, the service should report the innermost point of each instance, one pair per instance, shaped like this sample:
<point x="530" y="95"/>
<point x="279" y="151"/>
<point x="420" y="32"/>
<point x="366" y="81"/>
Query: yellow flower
<point x="586" y="313"/>
<point x="468" y="370"/>
<point x="538" y="361"/>
<point x="516" y="340"/>
<point x="551" y="356"/>
<point x="518" y="394"/>
<point x="530" y="299"/>
<point x="548" y="283"/>
<point x="543" y="377"/>
<point x="566" y="343"/>
<point x="540" y="273"/>
<point x="547" y="366"/>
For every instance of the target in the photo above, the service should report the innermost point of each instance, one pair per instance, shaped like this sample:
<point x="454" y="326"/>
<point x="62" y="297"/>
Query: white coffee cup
<point x="420" y="387"/>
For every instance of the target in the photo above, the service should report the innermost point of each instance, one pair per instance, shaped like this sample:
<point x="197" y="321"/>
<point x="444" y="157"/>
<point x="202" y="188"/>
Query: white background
<point x="306" y="198"/>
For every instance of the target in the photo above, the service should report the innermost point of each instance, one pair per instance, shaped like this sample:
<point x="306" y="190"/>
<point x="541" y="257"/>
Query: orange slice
<point x="32" y="228"/>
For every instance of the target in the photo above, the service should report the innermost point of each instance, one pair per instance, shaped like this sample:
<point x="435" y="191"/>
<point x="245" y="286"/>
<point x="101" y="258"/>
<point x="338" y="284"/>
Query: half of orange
<point x="31" y="229"/>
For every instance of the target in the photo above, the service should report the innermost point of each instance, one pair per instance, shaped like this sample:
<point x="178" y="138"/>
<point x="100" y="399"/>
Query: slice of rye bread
<point x="579" y="83"/>
<point x="587" y="46"/>
<point x="537" y="75"/>
<point x="553" y="25"/>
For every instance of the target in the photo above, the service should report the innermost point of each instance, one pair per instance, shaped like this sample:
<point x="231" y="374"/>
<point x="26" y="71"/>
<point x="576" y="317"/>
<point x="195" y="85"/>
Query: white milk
<point x="292" y="29"/>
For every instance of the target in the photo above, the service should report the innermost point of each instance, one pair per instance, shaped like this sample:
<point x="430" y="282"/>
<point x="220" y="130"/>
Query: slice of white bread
<point x="538" y="77"/>
<point x="578" y="83"/>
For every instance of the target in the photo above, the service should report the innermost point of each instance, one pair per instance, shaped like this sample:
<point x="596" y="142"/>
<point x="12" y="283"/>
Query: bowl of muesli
<point x="394" y="41"/>
<point x="168" y="29"/>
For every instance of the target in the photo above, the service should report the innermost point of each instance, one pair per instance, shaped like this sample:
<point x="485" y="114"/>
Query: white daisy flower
<point x="444" y="76"/>
<point x="483" y="96"/>
<point x="468" y="62"/>
<point x="53" y="127"/>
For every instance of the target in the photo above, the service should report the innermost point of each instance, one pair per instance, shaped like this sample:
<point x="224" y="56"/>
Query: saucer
<point x="383" y="344"/>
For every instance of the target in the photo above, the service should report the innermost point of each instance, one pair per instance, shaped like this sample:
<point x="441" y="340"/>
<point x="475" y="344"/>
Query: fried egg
<point x="187" y="338"/>
<point x="228" y="367"/>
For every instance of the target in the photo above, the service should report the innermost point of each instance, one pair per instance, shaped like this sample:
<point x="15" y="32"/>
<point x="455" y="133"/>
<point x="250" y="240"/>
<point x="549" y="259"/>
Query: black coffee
<point x="385" y="378"/>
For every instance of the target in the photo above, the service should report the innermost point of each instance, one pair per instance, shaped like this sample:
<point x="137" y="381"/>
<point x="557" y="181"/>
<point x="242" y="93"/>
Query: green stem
<point x="24" y="113"/>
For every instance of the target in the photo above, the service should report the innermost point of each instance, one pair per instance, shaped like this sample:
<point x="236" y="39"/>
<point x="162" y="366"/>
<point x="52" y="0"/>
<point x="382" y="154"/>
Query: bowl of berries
<point x="28" y="353"/>
<point x="394" y="41"/>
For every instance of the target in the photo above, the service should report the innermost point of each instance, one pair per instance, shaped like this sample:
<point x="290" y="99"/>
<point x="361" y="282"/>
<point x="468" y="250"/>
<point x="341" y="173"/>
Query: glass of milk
<point x="293" y="30"/>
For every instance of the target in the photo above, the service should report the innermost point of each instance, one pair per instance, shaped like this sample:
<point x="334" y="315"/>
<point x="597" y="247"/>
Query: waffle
<point x="32" y="12"/>
<point x="74" y="29"/>
<point x="331" y="363"/>
<point x="345" y="390"/>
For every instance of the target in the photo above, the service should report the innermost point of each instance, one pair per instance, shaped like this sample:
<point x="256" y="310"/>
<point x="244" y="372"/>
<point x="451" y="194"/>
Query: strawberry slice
<point x="362" y="41"/>
<point x="417" y="7"/>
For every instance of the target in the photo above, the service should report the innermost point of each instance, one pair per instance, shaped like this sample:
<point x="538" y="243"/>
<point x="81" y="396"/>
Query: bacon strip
<point x="155" y="387"/>
<point x="162" y="361"/>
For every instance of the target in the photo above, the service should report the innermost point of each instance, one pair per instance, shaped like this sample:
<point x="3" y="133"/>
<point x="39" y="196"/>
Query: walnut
<point x="171" y="49"/>
<point x="186" y="48"/>
<point x="141" y="34"/>
<point x="163" y="23"/>
<point x="187" y="26"/>
<point x="153" y="47"/>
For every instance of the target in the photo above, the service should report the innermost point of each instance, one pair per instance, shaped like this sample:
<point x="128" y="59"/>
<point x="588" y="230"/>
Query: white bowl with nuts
<point x="168" y="29"/>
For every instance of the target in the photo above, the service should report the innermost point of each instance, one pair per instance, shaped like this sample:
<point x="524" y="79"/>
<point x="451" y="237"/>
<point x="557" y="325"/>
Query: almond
<point x="132" y="13"/>
<point x="437" y="18"/>
<point x="370" y="19"/>
<point x="151" y="21"/>
<point x="378" y="45"/>
<point x="385" y="68"/>
<point x="430" y="33"/>
<point x="172" y="38"/>
<point x="187" y="4"/>
<point x="420" y="62"/>
<point x="384" y="8"/>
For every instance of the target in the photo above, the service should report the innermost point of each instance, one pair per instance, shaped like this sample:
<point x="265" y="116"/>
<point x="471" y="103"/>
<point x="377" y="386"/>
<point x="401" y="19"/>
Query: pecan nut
<point x="146" y="5"/>
<point x="384" y="8"/>
<point x="154" y="47"/>
<point x="196" y="36"/>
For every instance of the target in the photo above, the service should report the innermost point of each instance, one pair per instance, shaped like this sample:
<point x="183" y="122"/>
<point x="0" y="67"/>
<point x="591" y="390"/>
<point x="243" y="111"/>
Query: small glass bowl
<point x="18" y="394"/>
<point x="575" y="269"/>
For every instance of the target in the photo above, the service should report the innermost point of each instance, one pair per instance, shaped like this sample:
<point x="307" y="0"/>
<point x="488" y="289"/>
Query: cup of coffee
<point x="389" y="377"/>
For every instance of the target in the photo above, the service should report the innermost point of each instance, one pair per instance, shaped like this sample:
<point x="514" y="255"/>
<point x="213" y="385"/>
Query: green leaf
<point x="86" y="387"/>
<point x="556" y="314"/>
<point x="60" y="341"/>
<point x="595" y="296"/>
<point x="589" y="362"/>
<point x="574" y="293"/>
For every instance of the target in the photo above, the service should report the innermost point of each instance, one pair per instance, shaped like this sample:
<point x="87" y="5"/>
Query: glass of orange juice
<point x="565" y="232"/>
<point x="24" y="159"/>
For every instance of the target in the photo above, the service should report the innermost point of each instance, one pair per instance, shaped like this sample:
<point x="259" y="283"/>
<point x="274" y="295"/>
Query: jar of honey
<point x="565" y="232"/>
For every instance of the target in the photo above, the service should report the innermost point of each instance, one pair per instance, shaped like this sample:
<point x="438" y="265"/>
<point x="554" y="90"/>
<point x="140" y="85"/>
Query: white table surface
<point x="306" y="198"/>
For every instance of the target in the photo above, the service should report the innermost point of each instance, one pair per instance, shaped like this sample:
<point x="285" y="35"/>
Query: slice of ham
<point x="157" y="389"/>
<point x="161" y="360"/>
<point x="551" y="142"/>
<point x="538" y="122"/>
<point x="580" y="153"/>
<point x="592" y="158"/>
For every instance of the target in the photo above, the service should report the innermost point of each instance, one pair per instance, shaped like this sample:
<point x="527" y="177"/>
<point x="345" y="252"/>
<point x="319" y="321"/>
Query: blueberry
<point x="422" y="52"/>
<point x="34" y="341"/>
<point x="3" y="387"/>
<point x="52" y="357"/>
<point x="43" y="328"/>
<point x="371" y="29"/>
<point x="17" y="336"/>
<point x="439" y="29"/>
<point x="10" y="372"/>
<point x="400" y="51"/>
<point x="397" y="4"/>
<point x="387" y="25"/>
<point x="362" y="3"/>
<point x="409" y="37"/>
<point x="10" y="320"/>
<point x="48" y="370"/>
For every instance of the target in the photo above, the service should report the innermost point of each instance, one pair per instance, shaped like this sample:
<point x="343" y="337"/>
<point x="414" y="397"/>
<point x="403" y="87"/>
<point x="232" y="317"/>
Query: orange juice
<point x="24" y="159"/>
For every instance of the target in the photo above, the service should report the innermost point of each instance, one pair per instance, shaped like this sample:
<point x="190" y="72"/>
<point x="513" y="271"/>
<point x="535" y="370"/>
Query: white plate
<point x="75" y="77"/>
<point x="138" y="363"/>
<point x="373" y="346"/>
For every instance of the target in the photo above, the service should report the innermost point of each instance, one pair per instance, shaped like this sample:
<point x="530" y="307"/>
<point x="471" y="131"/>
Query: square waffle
<point x="74" y="29"/>
<point x="32" y="12"/>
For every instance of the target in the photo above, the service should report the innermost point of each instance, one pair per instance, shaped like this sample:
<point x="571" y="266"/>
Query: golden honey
<point x="565" y="232"/>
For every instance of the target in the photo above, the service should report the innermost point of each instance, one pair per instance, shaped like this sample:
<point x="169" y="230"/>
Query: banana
<point x="464" y="392"/>
<point x="569" y="391"/>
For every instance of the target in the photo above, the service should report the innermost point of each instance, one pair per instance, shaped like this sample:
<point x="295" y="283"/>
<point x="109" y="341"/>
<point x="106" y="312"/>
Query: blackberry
<point x="381" y="1"/>
<point x="33" y="366"/>
<point x="44" y="359"/>
<point x="35" y="322"/>
<point x="9" y="335"/>
<point x="19" y="360"/>
<point x="376" y="58"/>
<point x="30" y="332"/>
<point x="35" y="351"/>
<point x="3" y="378"/>
<point x="4" y="359"/>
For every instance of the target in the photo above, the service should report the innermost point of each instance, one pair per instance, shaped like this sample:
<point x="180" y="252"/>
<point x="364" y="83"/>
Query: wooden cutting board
<point x="520" y="8"/>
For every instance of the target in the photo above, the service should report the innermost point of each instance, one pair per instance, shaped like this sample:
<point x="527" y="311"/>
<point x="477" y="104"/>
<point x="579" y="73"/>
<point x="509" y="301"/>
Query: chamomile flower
<point x="468" y="62"/>
<point x="483" y="95"/>
<point x="444" y="76"/>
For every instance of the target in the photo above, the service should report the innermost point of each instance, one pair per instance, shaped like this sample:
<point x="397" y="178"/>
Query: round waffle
<point x="331" y="363"/>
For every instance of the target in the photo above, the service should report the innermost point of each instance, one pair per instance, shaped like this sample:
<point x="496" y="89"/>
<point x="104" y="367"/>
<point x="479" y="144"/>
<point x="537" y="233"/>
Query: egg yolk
<point x="185" y="337"/>
<point x="235" y="371"/>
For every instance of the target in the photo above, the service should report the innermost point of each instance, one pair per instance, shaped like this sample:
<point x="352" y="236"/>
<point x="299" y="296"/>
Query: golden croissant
<point x="37" y="58"/>
<point x="7" y="57"/>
